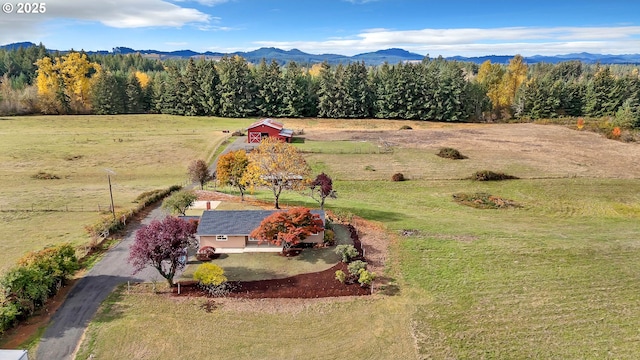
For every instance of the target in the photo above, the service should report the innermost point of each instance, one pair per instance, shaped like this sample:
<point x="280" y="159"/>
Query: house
<point x="227" y="231"/>
<point x="268" y="128"/>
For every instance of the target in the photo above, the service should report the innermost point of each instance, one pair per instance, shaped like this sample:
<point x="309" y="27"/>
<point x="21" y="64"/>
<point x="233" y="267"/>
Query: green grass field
<point x="554" y="278"/>
<point x="145" y="151"/>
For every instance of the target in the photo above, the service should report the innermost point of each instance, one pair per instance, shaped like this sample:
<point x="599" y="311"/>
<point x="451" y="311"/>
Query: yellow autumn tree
<point x="143" y="78"/>
<point x="315" y="70"/>
<point x="231" y="169"/>
<point x="502" y="84"/>
<point x="278" y="166"/>
<point x="64" y="83"/>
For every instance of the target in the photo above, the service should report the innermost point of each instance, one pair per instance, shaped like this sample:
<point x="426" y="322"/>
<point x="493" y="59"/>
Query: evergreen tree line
<point x="434" y="89"/>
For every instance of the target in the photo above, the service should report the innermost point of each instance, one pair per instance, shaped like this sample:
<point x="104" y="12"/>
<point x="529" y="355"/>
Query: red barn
<point x="268" y="128"/>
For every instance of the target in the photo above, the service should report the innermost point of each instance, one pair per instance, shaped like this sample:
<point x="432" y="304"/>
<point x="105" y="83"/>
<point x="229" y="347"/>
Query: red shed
<point x="268" y="128"/>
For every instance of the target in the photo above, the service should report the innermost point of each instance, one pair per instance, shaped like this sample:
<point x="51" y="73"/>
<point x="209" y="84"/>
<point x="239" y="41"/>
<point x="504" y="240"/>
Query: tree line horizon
<point x="34" y="81"/>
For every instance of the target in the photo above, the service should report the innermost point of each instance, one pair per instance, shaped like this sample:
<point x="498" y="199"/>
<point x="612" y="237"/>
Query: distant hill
<point x="392" y="56"/>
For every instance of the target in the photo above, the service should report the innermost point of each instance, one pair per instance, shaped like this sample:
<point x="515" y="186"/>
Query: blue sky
<point x="348" y="27"/>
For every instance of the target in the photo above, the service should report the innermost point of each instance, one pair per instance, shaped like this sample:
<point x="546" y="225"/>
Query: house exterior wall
<point x="237" y="242"/>
<point x="317" y="239"/>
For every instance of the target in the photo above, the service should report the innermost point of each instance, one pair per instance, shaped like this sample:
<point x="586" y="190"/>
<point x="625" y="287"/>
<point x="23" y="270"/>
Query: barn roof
<point x="235" y="222"/>
<point x="267" y="122"/>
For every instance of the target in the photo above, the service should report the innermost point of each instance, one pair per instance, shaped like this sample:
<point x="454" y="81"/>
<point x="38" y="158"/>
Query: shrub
<point x="107" y="224"/>
<point x="366" y="277"/>
<point x="29" y="284"/>
<point x="329" y="237"/>
<point x="450" y="153"/>
<point x="406" y="127"/>
<point x="398" y="177"/>
<point x="41" y="175"/>
<point x="486" y="175"/>
<point x="206" y="253"/>
<point x="211" y="279"/>
<point x="369" y="168"/>
<point x="341" y="276"/>
<point x="347" y="252"/>
<point x="209" y="274"/>
<point x="237" y="133"/>
<point x="355" y="267"/>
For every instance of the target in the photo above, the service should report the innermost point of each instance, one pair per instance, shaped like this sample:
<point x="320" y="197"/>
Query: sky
<point x="346" y="27"/>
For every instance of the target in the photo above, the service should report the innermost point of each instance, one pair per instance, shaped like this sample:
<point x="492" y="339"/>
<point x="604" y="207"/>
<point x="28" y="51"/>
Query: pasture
<point x="145" y="152"/>
<point x="555" y="278"/>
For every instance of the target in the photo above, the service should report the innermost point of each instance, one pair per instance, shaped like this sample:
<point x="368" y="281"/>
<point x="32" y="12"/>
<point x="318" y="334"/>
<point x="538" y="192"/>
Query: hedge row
<point x="37" y="276"/>
<point x="107" y="224"/>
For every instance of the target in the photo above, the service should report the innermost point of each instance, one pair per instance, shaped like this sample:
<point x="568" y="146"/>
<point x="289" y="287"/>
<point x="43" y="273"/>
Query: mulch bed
<point x="306" y="286"/>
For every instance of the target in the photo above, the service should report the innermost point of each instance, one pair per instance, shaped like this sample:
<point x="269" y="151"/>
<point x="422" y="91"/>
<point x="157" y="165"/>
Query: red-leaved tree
<point x="322" y="188"/>
<point x="163" y="245"/>
<point x="287" y="228"/>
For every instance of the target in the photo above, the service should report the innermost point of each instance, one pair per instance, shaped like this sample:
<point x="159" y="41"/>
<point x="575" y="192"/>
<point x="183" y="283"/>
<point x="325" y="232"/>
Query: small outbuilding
<point x="268" y="128"/>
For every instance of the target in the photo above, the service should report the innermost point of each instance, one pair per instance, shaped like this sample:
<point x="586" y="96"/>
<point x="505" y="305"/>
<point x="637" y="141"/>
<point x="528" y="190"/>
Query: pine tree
<point x="236" y="87"/>
<point x="134" y="96"/>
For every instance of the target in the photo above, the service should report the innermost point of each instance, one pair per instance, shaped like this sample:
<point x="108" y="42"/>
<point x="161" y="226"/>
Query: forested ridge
<point x="32" y="80"/>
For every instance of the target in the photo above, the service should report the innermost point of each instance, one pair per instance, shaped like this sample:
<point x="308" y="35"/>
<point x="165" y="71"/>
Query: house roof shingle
<point x="236" y="222"/>
<point x="232" y="222"/>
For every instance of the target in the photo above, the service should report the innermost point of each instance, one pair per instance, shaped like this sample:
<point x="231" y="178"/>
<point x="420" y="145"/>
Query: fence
<point x="63" y="208"/>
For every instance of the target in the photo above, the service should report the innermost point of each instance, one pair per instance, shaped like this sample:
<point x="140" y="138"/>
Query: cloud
<point x="205" y="2"/>
<point x="477" y="41"/>
<point x="114" y="13"/>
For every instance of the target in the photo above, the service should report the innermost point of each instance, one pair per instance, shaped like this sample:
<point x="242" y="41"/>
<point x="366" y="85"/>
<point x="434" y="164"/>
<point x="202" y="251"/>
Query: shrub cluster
<point x="107" y="224"/>
<point x="398" y="177"/>
<point x="406" y="127"/>
<point x="450" y="153"/>
<point x="237" y="133"/>
<point x="37" y="276"/>
<point x="347" y="252"/>
<point x="357" y="273"/>
<point x="486" y="175"/>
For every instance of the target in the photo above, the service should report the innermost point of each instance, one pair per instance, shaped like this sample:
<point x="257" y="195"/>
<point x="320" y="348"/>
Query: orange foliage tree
<point x="288" y="228"/>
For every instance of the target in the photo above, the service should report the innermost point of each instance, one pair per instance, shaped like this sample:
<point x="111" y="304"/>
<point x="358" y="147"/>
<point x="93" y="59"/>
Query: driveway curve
<point x="68" y="324"/>
<point x="62" y="336"/>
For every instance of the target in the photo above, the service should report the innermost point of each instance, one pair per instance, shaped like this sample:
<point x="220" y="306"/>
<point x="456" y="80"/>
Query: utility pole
<point x="113" y="208"/>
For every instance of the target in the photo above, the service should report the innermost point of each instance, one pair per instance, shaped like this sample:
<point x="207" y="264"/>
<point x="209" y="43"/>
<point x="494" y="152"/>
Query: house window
<point x="222" y="238"/>
<point x="253" y="239"/>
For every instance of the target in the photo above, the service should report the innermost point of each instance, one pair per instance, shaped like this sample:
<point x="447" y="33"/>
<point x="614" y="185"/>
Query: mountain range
<point x="392" y="56"/>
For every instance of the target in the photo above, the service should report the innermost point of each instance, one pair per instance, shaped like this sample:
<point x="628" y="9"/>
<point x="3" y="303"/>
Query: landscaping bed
<point x="310" y="285"/>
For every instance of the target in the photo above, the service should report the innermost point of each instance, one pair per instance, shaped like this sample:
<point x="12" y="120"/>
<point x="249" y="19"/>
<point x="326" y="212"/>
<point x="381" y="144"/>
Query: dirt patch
<point x="556" y="150"/>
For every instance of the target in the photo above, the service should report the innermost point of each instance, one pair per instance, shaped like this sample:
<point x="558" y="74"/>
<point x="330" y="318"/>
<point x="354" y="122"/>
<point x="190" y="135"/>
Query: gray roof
<point x="235" y="222"/>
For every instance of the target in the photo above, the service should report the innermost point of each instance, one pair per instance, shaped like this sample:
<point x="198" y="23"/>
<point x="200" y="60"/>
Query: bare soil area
<point x="557" y="150"/>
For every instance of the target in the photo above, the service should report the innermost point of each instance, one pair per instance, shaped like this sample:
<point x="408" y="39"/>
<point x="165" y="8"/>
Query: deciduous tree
<point x="278" y="166"/>
<point x="179" y="202"/>
<point x="163" y="245"/>
<point x="288" y="228"/>
<point x="322" y="188"/>
<point x="199" y="172"/>
<point x="231" y="169"/>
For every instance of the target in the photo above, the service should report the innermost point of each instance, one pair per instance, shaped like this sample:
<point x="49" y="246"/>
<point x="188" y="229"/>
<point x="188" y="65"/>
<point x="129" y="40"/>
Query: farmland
<point x="146" y="153"/>
<point x="553" y="278"/>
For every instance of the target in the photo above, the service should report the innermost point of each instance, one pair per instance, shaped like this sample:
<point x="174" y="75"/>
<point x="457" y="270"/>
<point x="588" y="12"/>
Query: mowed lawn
<point x="554" y="278"/>
<point x="146" y="152"/>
